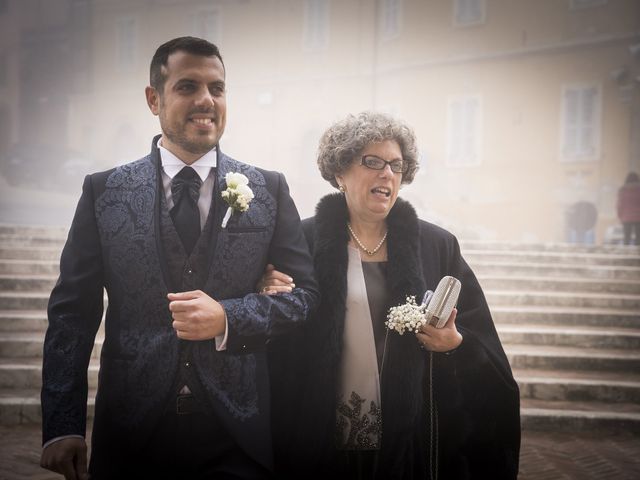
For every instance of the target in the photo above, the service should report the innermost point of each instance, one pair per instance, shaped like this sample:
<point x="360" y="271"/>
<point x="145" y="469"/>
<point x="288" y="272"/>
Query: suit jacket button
<point x="187" y="364"/>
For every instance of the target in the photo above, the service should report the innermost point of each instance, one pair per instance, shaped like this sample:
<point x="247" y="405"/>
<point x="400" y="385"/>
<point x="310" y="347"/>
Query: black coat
<point x="473" y="429"/>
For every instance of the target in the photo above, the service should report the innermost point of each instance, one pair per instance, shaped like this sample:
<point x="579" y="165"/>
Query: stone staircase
<point x="29" y="258"/>
<point x="569" y="319"/>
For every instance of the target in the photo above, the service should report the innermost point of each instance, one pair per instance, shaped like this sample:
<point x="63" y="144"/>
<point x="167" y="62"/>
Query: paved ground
<point x="545" y="456"/>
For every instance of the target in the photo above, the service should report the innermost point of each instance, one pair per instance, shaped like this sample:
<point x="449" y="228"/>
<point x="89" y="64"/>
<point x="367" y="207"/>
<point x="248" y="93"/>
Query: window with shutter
<point x="391" y="18"/>
<point x="464" y="130"/>
<point x="126" y="43"/>
<point x="468" y="12"/>
<point x="316" y="24"/>
<point x="580" y="123"/>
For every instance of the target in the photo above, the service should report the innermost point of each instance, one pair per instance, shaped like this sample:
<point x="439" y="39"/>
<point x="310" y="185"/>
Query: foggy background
<point x="523" y="109"/>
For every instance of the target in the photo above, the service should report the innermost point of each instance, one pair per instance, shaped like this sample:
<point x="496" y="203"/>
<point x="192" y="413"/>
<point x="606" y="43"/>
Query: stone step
<point x="27" y="301"/>
<point x="578" y="386"/>
<point x="568" y="258"/>
<point x="489" y="282"/>
<point x="563" y="299"/>
<point x="14" y="345"/>
<point x="22" y="248"/>
<point x="23" y="321"/>
<point x="558" y="284"/>
<point x="25" y="283"/>
<point x="27" y="321"/>
<point x="542" y="334"/>
<point x="583" y="336"/>
<point x="36" y="320"/>
<point x="29" y="267"/>
<point x="547" y="247"/>
<point x="22" y="406"/>
<point x="19" y="407"/>
<point x="534" y="384"/>
<point x="541" y="259"/>
<point x="30" y="344"/>
<point x="18" y="240"/>
<point x="27" y="373"/>
<point x="60" y="232"/>
<point x="42" y="231"/>
<point x="565" y="316"/>
<point x="19" y="300"/>
<point x="24" y="300"/>
<point x="579" y="416"/>
<point x="29" y="253"/>
<point x="52" y="232"/>
<point x="550" y="357"/>
<point x="555" y="270"/>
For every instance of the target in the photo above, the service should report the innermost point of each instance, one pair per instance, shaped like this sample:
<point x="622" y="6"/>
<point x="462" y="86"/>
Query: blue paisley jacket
<point x="114" y="246"/>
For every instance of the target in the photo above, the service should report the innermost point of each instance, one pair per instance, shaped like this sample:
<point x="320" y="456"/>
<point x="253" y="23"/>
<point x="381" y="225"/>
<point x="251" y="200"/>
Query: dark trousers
<point x="194" y="446"/>
<point x="629" y="228"/>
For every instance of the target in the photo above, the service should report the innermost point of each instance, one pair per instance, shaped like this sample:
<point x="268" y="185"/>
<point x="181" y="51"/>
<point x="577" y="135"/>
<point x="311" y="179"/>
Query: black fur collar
<point x="404" y="274"/>
<point x="403" y="370"/>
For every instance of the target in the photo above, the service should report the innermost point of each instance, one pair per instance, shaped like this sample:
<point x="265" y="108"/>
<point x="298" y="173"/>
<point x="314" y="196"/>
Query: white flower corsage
<point x="407" y="317"/>
<point x="237" y="195"/>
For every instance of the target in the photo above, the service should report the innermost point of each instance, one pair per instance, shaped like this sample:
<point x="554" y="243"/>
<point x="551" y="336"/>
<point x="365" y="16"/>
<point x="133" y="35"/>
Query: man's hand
<point x="67" y="456"/>
<point x="196" y="316"/>
<point x="441" y="339"/>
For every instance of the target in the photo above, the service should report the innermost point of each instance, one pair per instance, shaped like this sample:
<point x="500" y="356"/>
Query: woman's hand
<point x="273" y="281"/>
<point x="442" y="339"/>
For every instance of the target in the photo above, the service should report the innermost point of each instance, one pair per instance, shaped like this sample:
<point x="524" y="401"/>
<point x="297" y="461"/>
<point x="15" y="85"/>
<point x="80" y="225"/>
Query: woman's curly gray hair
<point x="346" y="139"/>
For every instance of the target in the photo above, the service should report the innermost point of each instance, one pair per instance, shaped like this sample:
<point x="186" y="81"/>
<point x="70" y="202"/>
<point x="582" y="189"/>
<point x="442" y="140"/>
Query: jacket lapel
<point x="229" y="266"/>
<point x="157" y="212"/>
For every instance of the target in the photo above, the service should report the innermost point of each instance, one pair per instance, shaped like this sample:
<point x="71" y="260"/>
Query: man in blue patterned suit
<point x="183" y="387"/>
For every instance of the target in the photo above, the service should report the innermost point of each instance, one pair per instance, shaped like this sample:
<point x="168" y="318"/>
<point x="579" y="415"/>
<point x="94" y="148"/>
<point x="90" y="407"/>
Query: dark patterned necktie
<point x="185" y="190"/>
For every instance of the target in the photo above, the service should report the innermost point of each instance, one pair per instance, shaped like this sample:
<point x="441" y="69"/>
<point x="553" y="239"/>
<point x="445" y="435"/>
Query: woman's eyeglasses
<point x="376" y="163"/>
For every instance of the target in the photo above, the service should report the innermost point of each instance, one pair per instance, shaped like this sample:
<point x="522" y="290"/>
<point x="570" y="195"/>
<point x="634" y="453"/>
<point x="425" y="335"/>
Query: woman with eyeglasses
<point x="353" y="399"/>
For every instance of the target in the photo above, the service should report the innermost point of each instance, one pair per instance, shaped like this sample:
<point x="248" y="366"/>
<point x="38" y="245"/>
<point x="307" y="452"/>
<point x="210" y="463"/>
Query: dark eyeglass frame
<point x="404" y="166"/>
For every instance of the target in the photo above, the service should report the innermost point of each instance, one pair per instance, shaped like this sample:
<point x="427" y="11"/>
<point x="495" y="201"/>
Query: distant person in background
<point x="581" y="220"/>
<point x="629" y="208"/>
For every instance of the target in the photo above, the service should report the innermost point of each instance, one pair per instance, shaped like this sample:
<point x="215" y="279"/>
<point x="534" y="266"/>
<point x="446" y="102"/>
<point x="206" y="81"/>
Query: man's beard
<point x="177" y="135"/>
<point x="191" y="145"/>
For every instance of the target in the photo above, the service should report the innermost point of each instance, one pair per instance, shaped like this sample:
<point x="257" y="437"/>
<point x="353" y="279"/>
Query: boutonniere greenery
<point x="407" y="317"/>
<point x="238" y="195"/>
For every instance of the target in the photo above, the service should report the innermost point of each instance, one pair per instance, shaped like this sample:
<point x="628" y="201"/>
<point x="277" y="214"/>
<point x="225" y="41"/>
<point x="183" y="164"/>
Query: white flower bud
<point x="245" y="192"/>
<point x="235" y="179"/>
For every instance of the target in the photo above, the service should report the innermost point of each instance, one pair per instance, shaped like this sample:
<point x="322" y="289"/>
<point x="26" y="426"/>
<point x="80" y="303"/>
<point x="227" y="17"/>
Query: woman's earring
<point x="341" y="188"/>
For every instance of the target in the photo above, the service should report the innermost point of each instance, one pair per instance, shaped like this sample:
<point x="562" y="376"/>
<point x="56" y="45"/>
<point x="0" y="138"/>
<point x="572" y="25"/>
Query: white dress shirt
<point x="171" y="165"/>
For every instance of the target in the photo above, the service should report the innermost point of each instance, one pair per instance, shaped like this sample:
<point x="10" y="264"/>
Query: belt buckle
<point x="184" y="404"/>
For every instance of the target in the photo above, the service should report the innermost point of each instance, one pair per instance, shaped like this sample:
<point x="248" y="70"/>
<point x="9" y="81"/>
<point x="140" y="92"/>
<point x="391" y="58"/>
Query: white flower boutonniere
<point x="237" y="195"/>
<point x="407" y="317"/>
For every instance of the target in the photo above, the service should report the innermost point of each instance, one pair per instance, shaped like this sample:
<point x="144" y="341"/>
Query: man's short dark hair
<point x="192" y="45"/>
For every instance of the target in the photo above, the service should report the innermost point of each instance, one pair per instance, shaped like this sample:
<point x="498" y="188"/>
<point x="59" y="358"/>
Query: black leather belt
<point x="187" y="404"/>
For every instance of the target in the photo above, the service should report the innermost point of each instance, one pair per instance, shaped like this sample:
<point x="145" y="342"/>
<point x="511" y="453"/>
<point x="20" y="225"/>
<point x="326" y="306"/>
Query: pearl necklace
<point x="365" y="249"/>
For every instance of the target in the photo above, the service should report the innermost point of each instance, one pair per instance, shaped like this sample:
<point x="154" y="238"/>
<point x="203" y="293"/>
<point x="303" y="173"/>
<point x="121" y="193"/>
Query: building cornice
<point x="550" y="49"/>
